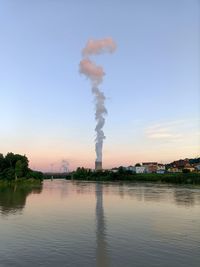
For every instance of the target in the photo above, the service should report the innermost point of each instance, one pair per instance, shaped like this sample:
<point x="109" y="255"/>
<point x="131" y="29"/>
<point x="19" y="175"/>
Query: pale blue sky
<point x="151" y="83"/>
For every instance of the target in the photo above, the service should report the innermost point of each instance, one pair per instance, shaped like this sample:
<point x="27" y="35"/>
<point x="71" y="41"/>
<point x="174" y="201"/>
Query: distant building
<point x="160" y="171"/>
<point x="140" y="169"/>
<point x="151" y="167"/>
<point x="149" y="163"/>
<point x="180" y="164"/>
<point x="174" y="170"/>
<point x="161" y="168"/>
<point x="130" y="168"/>
<point x="189" y="167"/>
<point x="197" y="167"/>
<point x="114" y="170"/>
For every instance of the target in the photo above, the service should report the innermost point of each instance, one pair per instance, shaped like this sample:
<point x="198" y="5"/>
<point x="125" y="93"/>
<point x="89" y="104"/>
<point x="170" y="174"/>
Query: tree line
<point x="16" y="166"/>
<point x="126" y="175"/>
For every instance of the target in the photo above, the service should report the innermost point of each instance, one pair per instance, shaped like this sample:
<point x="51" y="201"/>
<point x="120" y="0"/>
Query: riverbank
<point x="20" y="181"/>
<point x="174" y="178"/>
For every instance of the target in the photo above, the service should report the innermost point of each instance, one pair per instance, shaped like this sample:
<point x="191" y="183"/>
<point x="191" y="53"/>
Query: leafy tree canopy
<point x="14" y="166"/>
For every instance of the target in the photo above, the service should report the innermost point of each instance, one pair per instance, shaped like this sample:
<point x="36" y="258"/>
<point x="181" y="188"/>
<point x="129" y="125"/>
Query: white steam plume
<point x="95" y="74"/>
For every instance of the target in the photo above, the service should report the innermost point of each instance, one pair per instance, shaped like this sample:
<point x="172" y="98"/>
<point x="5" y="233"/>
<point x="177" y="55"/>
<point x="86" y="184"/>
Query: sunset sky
<point x="151" y="83"/>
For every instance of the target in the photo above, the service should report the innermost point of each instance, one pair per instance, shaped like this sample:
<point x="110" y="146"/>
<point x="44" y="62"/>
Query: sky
<point x="151" y="83"/>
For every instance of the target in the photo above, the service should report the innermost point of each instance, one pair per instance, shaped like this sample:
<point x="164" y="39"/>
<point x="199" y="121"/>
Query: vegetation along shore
<point x="123" y="175"/>
<point x="14" y="168"/>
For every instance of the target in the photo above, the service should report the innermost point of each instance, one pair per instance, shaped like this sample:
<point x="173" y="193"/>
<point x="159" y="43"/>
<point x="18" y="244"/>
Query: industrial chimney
<point x="98" y="165"/>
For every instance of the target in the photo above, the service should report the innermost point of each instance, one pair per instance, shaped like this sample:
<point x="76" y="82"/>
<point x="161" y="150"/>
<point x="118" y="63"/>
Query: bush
<point x="179" y="178"/>
<point x="35" y="175"/>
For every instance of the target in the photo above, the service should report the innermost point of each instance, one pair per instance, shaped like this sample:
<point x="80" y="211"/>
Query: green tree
<point x="1" y="162"/>
<point x="35" y="175"/>
<point x="186" y="171"/>
<point x="19" y="169"/>
<point x="14" y="166"/>
<point x="121" y="170"/>
<point x="11" y="159"/>
<point x="137" y="165"/>
<point x="8" y="174"/>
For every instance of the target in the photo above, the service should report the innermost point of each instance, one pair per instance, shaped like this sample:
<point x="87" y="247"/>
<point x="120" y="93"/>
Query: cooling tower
<point x="98" y="165"/>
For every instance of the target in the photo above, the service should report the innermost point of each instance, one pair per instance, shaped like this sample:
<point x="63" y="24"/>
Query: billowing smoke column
<point x="95" y="74"/>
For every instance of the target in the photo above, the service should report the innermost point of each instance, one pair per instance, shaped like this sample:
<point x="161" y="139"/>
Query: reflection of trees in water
<point x="158" y="193"/>
<point x="57" y="186"/>
<point x="101" y="252"/>
<point x="84" y="187"/>
<point x="142" y="192"/>
<point x="13" y="198"/>
<point x="185" y="197"/>
<point x="154" y="194"/>
<point x="181" y="195"/>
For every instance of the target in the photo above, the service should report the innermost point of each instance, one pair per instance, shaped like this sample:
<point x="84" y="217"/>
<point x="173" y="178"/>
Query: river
<point x="73" y="223"/>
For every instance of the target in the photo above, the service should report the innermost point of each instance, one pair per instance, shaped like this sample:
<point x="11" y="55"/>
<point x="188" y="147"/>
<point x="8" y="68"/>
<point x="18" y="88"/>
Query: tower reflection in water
<point x="101" y="250"/>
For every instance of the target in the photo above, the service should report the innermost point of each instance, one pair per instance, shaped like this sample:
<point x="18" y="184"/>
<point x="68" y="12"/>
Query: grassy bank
<point x="176" y="178"/>
<point x="20" y="181"/>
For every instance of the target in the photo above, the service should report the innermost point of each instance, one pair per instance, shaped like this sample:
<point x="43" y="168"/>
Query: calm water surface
<point x="68" y="223"/>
